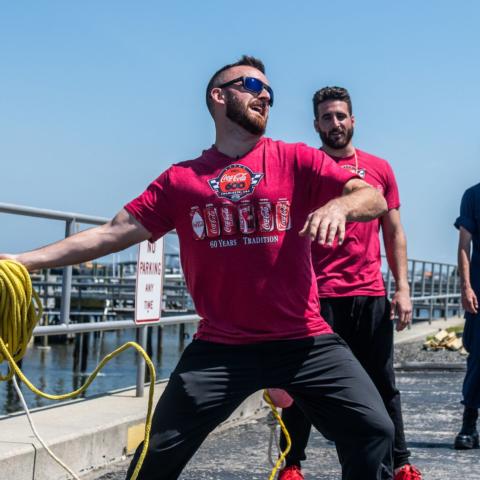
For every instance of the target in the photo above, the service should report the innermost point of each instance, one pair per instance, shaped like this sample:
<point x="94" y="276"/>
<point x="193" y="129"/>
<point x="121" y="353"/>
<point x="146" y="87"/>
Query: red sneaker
<point x="291" y="473"/>
<point x="408" y="472"/>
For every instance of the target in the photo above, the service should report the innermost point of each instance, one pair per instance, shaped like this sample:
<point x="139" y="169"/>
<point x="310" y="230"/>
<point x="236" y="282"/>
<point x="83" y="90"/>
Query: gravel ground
<point x="414" y="352"/>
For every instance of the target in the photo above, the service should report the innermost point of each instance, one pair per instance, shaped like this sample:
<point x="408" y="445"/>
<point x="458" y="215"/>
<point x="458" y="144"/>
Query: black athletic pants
<point x="211" y="380"/>
<point x="364" y="323"/>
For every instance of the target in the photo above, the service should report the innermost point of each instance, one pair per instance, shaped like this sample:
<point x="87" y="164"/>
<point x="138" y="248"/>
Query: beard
<point x="337" y="143"/>
<point x="239" y="113"/>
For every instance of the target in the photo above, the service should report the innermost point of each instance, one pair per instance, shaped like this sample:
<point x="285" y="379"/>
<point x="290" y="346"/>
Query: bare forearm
<point x="464" y="265"/>
<point x="78" y="248"/>
<point x="359" y="202"/>
<point x="362" y="204"/>
<point x="469" y="297"/>
<point x="119" y="233"/>
<point x="396" y="252"/>
<point x="464" y="245"/>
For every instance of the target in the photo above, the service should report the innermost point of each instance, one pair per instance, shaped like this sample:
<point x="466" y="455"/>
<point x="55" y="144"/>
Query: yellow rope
<point x="282" y="456"/>
<point x="18" y="314"/>
<point x="20" y="310"/>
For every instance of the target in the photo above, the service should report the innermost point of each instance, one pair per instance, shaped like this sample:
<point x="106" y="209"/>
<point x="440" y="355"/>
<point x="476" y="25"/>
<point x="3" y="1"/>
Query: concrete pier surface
<point x="93" y="436"/>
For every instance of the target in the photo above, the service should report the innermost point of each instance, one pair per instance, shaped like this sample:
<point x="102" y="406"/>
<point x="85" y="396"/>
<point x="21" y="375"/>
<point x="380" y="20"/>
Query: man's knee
<point x="383" y="428"/>
<point x="375" y="422"/>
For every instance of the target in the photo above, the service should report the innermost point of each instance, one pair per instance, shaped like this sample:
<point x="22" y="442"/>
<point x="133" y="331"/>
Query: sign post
<point x="148" y="296"/>
<point x="148" y="292"/>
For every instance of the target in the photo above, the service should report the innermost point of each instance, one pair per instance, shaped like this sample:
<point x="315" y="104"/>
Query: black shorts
<point x="211" y="380"/>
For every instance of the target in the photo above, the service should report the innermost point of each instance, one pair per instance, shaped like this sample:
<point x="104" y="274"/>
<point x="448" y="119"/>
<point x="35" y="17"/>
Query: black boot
<point x="468" y="436"/>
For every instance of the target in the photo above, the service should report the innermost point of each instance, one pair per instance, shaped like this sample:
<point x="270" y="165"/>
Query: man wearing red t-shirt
<point x="350" y="284"/>
<point x="246" y="212"/>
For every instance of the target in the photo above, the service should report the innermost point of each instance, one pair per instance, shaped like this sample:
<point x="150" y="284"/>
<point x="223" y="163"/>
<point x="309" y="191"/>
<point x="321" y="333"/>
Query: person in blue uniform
<point x="468" y="224"/>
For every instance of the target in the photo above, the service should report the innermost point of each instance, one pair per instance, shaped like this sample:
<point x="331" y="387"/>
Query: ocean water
<point x="53" y="370"/>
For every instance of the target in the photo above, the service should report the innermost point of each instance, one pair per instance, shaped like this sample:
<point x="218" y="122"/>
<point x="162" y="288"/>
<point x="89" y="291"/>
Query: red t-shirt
<point x="354" y="268"/>
<point x="247" y="269"/>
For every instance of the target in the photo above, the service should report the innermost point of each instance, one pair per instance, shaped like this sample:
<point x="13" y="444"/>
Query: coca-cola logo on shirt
<point x="235" y="182"/>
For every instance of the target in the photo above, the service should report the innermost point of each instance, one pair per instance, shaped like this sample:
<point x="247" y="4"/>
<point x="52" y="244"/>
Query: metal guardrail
<point x="434" y="286"/>
<point x="72" y="220"/>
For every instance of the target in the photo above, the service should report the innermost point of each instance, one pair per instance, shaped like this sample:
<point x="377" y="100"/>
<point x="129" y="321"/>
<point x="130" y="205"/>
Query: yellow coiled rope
<point x="20" y="310"/>
<point x="18" y="313"/>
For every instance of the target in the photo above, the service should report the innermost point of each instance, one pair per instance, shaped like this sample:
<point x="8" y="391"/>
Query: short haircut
<point x="245" y="60"/>
<point x="331" y="93"/>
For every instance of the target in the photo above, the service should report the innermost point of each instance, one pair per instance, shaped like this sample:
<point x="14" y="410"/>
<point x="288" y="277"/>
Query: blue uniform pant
<point x="471" y="342"/>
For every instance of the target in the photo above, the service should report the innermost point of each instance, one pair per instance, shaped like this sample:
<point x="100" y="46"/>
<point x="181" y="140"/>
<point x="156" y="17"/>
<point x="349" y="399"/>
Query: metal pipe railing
<point x="71" y="222"/>
<point x="51" y="214"/>
<point x="433" y="282"/>
<point x="84" y="327"/>
<point x="431" y="290"/>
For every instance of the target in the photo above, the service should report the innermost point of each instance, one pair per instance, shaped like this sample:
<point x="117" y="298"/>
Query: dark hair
<point x="245" y="60"/>
<point x="331" y="93"/>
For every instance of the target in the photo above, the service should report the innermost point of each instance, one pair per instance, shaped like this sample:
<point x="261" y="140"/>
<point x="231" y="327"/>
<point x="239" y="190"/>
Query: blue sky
<point x="97" y="98"/>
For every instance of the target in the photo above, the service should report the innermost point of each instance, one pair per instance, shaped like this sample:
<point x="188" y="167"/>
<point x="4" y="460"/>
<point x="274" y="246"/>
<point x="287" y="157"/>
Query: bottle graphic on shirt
<point x="198" y="224"/>
<point x="212" y="221"/>
<point x="246" y="217"/>
<point x="265" y="216"/>
<point x="228" y="217"/>
<point x="282" y="215"/>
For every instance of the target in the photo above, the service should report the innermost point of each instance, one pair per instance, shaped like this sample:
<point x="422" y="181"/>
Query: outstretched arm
<point x="359" y="203"/>
<point x="117" y="234"/>
<point x="396" y="251"/>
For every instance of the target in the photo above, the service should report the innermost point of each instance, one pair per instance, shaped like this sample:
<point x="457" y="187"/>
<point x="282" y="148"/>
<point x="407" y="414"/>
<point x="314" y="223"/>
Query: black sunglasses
<point x="251" y="84"/>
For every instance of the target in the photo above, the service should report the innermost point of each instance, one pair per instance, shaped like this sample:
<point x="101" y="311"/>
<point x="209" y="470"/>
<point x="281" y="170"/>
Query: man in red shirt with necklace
<point x="350" y="284"/>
